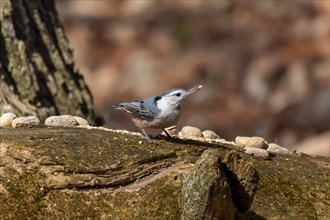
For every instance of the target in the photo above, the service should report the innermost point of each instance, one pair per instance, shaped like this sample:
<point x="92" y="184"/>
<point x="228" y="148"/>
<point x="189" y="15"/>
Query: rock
<point x="25" y="121"/>
<point x="241" y="141"/>
<point x="6" y="119"/>
<point x="81" y="121"/>
<point x="210" y="134"/>
<point x="256" y="142"/>
<point x="275" y="148"/>
<point x="257" y="152"/>
<point x="189" y="131"/>
<point x="61" y="121"/>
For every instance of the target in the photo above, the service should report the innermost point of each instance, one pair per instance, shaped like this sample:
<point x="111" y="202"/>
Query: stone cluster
<point x="193" y="132"/>
<point x="259" y="147"/>
<point x="10" y="120"/>
<point x="256" y="146"/>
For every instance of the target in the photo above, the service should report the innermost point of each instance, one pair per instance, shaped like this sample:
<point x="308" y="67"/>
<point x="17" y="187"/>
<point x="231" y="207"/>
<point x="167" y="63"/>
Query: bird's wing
<point x="135" y="108"/>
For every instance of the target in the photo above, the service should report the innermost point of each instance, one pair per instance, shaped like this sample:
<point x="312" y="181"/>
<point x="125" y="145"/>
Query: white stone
<point x="81" y="121"/>
<point x="256" y="142"/>
<point x="275" y="148"/>
<point x="210" y="134"/>
<point x="257" y="152"/>
<point x="241" y="140"/>
<point x="189" y="131"/>
<point x="6" y="119"/>
<point x="61" y="121"/>
<point x="25" y="121"/>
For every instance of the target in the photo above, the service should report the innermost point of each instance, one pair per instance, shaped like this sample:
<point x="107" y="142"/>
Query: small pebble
<point x="275" y="148"/>
<point x="257" y="152"/>
<point x="62" y="120"/>
<point x="189" y="131"/>
<point x="6" y="119"/>
<point x="256" y="142"/>
<point x="210" y="134"/>
<point x="25" y="121"/>
<point x="81" y="121"/>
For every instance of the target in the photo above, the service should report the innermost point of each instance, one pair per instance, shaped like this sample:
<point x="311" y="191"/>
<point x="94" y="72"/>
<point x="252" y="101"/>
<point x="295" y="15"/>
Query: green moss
<point x="161" y="203"/>
<point x="84" y="150"/>
<point x="293" y="186"/>
<point x="25" y="194"/>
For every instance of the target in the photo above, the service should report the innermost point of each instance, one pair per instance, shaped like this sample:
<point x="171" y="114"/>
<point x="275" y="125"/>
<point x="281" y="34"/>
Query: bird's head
<point x="174" y="97"/>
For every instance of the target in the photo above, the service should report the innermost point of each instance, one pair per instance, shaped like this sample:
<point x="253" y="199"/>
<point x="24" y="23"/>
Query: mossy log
<point x="37" y="74"/>
<point x="76" y="173"/>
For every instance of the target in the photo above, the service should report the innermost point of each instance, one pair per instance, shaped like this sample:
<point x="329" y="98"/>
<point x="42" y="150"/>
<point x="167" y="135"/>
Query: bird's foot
<point x="151" y="141"/>
<point x="147" y="137"/>
<point x="158" y="136"/>
<point x="167" y="138"/>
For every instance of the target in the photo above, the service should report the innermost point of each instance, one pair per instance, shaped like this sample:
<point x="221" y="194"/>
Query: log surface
<point x="79" y="173"/>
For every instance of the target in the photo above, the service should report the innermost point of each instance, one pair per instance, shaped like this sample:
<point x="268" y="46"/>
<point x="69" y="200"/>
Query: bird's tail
<point x="119" y="106"/>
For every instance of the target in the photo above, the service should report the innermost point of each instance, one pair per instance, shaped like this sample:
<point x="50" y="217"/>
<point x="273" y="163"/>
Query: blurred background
<point x="264" y="65"/>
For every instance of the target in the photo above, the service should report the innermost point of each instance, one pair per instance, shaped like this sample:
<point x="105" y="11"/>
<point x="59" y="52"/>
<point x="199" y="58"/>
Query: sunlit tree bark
<point x="36" y="67"/>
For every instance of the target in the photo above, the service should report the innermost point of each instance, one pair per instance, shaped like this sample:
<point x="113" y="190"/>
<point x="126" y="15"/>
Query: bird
<point x="158" y="112"/>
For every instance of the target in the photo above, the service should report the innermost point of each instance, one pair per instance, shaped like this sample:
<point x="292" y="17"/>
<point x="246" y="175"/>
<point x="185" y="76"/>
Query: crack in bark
<point x="125" y="183"/>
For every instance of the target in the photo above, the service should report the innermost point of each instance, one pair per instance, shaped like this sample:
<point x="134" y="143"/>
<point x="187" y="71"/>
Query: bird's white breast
<point x="169" y="113"/>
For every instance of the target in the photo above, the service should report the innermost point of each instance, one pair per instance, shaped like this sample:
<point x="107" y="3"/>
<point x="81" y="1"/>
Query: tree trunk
<point x="36" y="68"/>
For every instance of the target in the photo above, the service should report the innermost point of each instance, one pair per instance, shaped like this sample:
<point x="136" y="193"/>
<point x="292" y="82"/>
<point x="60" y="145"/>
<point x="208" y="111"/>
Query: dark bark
<point x="36" y="68"/>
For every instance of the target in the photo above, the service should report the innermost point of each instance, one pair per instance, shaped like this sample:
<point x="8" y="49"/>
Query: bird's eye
<point x="178" y="94"/>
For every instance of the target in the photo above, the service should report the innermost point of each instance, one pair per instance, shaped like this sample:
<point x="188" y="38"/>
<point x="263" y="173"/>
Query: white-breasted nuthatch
<point x="157" y="112"/>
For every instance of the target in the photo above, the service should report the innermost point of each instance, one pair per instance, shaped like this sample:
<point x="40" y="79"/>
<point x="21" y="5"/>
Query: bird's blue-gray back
<point x="152" y="108"/>
<point x="138" y="107"/>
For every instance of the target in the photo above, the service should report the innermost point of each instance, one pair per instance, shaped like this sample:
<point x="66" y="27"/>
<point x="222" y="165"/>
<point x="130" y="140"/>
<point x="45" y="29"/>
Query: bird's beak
<point x="192" y="90"/>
